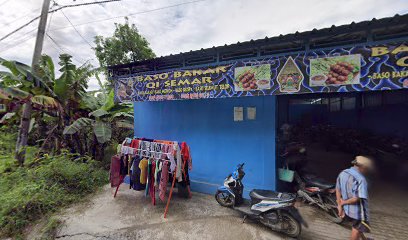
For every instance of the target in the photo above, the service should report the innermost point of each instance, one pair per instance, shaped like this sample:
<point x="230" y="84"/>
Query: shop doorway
<point x="335" y="127"/>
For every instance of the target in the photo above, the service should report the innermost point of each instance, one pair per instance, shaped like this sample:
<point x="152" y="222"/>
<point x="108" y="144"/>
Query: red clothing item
<point x="185" y="152"/>
<point x="114" y="177"/>
<point x="151" y="183"/>
<point x="164" y="179"/>
<point x="134" y="144"/>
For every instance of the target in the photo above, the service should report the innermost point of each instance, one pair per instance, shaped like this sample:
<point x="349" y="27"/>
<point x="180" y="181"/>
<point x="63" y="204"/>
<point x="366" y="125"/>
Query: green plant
<point x="45" y="185"/>
<point x="106" y="117"/>
<point x="49" y="232"/>
<point x="28" y="88"/>
<point x="125" y="46"/>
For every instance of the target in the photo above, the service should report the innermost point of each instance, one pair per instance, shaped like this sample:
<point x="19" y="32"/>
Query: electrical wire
<point x="15" y="41"/>
<point x="129" y="15"/>
<point x="25" y="14"/>
<point x="18" y="29"/>
<point x="132" y="14"/>
<point x="17" y="44"/>
<point x="55" y="45"/>
<point x="66" y="50"/>
<point x="62" y="51"/>
<point x="76" y="30"/>
<point x="55" y="10"/>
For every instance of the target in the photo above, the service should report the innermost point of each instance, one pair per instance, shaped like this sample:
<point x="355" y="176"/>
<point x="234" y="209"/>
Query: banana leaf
<point x="103" y="131"/>
<point x="16" y="93"/>
<point x="122" y="114"/>
<point x="124" y="124"/>
<point x="45" y="101"/>
<point x="76" y="126"/>
<point x="7" y="116"/>
<point x="98" y="113"/>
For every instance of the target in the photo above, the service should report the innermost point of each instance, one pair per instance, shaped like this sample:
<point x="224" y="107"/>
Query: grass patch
<point x="42" y="187"/>
<point x="49" y="232"/>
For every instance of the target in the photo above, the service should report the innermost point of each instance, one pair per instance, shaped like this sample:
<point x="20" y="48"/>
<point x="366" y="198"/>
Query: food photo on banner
<point x="359" y="68"/>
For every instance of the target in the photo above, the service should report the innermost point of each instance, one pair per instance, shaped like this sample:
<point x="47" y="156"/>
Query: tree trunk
<point x="77" y="142"/>
<point x="23" y="133"/>
<point x="94" y="146"/>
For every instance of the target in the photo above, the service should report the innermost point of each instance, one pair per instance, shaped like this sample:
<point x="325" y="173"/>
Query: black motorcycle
<point x="318" y="192"/>
<point x="310" y="188"/>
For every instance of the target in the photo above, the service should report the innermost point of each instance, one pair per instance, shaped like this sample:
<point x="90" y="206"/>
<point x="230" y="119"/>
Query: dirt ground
<point x="131" y="216"/>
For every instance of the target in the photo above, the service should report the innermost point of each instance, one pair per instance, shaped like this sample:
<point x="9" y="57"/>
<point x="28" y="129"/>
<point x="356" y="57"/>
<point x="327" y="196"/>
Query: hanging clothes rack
<point x="163" y="151"/>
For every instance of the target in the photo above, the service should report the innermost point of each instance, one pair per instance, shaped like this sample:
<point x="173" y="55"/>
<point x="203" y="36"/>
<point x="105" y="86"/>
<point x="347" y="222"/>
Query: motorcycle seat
<point x="312" y="181"/>
<point x="271" y="195"/>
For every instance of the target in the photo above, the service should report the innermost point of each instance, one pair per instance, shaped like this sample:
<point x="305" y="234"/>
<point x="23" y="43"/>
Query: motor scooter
<point x="273" y="209"/>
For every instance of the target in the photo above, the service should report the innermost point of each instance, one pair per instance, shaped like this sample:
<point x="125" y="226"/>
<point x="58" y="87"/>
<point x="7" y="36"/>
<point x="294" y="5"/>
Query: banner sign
<point x="360" y="68"/>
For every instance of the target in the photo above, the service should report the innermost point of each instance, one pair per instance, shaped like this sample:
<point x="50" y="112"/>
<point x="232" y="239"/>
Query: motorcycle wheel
<point x="291" y="226"/>
<point x="225" y="199"/>
<point x="332" y="214"/>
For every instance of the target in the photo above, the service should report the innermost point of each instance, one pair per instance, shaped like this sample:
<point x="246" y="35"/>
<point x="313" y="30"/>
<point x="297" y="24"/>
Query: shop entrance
<point x="335" y="127"/>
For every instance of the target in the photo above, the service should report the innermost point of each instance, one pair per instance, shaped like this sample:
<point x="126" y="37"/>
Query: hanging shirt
<point x="179" y="162"/>
<point x="128" y="150"/>
<point x="185" y="152"/>
<point x="148" y="183"/>
<point x="156" y="171"/>
<point x="152" y="181"/>
<point x="135" y="175"/>
<point x="134" y="143"/>
<point x="123" y="165"/>
<point x="173" y="163"/>
<point x="114" y="175"/>
<point x="164" y="179"/>
<point x="143" y="171"/>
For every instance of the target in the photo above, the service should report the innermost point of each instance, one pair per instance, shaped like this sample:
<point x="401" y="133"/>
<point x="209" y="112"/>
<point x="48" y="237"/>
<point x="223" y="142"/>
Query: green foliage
<point x="8" y="137"/>
<point x="49" y="232"/>
<point x="73" y="82"/>
<point x="103" y="131"/>
<point x="45" y="101"/>
<point x="12" y="92"/>
<point x="109" y="101"/>
<point x="107" y="115"/>
<point x="23" y="77"/>
<point x="98" y="113"/>
<point x="76" y="126"/>
<point x="47" y="70"/>
<point x="125" y="46"/>
<point x="44" y="186"/>
<point x="7" y="116"/>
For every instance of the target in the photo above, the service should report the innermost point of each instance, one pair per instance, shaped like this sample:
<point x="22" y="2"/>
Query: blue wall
<point x="217" y="143"/>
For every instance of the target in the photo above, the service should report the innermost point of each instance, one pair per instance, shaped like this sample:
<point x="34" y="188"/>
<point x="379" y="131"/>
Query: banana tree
<point x="102" y="121"/>
<point x="23" y="84"/>
<point x="44" y="91"/>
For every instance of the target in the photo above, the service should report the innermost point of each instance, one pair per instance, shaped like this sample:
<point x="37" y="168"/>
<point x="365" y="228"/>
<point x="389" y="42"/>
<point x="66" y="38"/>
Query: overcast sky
<point x="200" y="24"/>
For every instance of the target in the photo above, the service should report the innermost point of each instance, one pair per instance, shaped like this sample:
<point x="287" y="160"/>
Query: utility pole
<point x="27" y="107"/>
<point x="41" y="32"/>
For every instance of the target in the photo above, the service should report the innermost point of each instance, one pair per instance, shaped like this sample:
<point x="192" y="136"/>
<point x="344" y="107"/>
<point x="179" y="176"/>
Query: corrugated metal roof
<point x="395" y="27"/>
